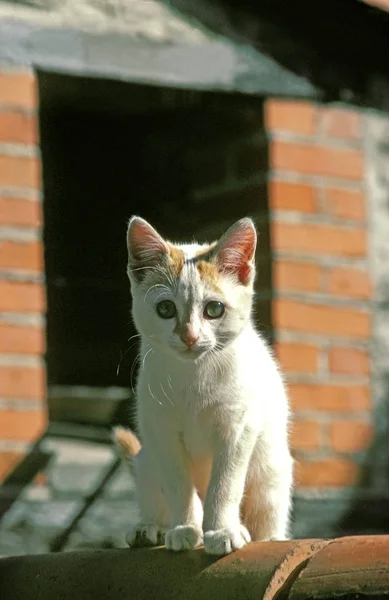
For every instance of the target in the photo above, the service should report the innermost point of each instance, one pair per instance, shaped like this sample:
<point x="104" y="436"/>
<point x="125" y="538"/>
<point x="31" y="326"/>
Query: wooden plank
<point x="101" y="407"/>
<point x="21" y="476"/>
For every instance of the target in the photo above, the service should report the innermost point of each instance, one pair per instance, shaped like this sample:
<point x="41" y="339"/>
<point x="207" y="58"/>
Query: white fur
<point x="215" y="466"/>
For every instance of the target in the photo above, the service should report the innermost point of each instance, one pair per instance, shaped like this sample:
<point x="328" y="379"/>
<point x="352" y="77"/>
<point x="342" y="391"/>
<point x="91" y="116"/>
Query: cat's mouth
<point x="191" y="352"/>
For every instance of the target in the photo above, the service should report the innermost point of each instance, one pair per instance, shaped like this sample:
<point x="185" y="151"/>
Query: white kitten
<point x="212" y="411"/>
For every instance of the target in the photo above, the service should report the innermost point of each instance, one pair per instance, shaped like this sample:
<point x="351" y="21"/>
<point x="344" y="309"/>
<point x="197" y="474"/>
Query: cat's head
<point x="191" y="298"/>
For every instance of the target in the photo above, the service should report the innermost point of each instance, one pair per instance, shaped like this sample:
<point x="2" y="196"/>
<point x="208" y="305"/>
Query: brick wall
<point x="218" y="160"/>
<point x="321" y="308"/>
<point x="322" y="290"/>
<point x="22" y="298"/>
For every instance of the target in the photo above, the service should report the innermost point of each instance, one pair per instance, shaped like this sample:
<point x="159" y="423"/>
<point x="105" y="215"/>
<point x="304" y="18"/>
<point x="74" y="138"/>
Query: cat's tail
<point x="127" y="445"/>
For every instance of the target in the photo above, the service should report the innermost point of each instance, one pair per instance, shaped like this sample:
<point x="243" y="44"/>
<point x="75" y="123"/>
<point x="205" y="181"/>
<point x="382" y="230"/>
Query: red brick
<point x="21" y="255"/>
<point x="8" y="461"/>
<point x="291" y="196"/>
<point x="380" y="3"/>
<point x="319" y="318"/>
<point x="17" y="127"/>
<point x="348" y="361"/>
<point x="350" y="283"/>
<point x="21" y="339"/>
<point x="24" y="425"/>
<point x="22" y="297"/>
<point x="290" y="116"/>
<point x="296" y="357"/>
<point x="330" y="397"/>
<point x="329" y="472"/>
<point x="309" y="238"/>
<point x="22" y="382"/>
<point x="350" y="436"/>
<point x="310" y="159"/>
<point x="20" y="212"/>
<point x="293" y="275"/>
<point x="305" y="435"/>
<point x="341" y="123"/>
<point x="20" y="171"/>
<point x="18" y="90"/>
<point x="345" y="204"/>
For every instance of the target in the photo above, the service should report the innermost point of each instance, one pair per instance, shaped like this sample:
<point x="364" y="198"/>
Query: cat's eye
<point x="166" y="309"/>
<point x="214" y="310"/>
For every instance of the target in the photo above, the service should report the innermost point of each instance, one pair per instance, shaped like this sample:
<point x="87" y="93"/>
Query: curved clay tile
<point x="350" y="567"/>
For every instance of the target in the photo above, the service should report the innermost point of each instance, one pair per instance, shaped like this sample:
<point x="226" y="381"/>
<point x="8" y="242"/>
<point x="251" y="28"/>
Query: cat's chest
<point x="193" y="407"/>
<point x="200" y="424"/>
<point x="197" y="433"/>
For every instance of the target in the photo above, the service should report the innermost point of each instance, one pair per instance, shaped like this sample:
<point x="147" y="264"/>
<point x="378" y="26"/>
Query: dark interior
<point x="111" y="150"/>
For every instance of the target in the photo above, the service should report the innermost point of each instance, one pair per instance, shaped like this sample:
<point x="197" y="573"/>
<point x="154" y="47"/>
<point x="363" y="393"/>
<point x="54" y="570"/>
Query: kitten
<point x="215" y="466"/>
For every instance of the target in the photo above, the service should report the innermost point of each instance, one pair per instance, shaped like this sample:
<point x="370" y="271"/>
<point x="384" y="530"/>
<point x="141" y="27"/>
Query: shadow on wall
<point x="369" y="511"/>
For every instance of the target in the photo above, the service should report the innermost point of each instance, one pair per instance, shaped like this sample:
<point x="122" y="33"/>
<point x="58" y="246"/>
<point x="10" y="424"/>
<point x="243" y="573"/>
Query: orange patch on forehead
<point x="176" y="259"/>
<point x="205" y="250"/>
<point x="209" y="273"/>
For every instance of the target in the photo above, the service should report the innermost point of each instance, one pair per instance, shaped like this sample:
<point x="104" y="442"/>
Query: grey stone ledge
<point x="218" y="65"/>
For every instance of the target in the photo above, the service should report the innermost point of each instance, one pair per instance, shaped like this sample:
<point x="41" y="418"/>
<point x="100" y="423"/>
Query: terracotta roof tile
<point x="350" y="567"/>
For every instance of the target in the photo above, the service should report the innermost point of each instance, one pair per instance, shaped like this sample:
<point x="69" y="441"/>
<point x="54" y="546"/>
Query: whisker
<point x="145" y="356"/>
<point x="142" y="269"/>
<point x="130" y="347"/>
<point x="217" y="361"/>
<point x="162" y="294"/>
<point x="169" y="382"/>
<point x="137" y="359"/>
<point x="156" y="285"/>
<point x="165" y="394"/>
<point x="133" y="336"/>
<point x="152" y="395"/>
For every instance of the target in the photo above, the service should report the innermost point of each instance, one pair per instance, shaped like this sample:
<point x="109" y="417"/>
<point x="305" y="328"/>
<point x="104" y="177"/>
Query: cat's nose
<point x="189" y="338"/>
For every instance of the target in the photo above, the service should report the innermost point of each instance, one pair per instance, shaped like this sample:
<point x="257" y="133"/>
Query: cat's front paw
<point x="145" y="534"/>
<point x="183" y="537"/>
<point x="224" y="541"/>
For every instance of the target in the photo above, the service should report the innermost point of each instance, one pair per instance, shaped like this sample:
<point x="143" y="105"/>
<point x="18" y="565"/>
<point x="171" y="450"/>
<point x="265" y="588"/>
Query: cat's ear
<point x="235" y="251"/>
<point x="145" y="246"/>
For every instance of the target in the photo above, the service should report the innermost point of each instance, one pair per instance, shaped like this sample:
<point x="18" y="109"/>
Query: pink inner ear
<point x="236" y="251"/>
<point x="144" y="243"/>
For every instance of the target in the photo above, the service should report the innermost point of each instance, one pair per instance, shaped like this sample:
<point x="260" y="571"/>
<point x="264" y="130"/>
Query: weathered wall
<point x="207" y="160"/>
<point x="377" y="181"/>
<point x="322" y="293"/>
<point x="368" y="512"/>
<point x="22" y="296"/>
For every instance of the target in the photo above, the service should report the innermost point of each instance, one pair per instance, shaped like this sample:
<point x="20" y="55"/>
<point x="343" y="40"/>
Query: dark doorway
<point x="110" y="150"/>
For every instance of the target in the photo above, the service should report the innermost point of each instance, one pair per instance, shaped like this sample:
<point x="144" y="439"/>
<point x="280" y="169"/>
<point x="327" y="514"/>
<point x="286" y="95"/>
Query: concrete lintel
<point x="220" y="65"/>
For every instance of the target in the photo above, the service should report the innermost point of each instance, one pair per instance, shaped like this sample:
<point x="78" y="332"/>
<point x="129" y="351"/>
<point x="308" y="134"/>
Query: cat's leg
<point x="187" y="533"/>
<point x="171" y="469"/>
<point x="223" y="530"/>
<point x="267" y="501"/>
<point x="185" y="507"/>
<point x="153" y="521"/>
